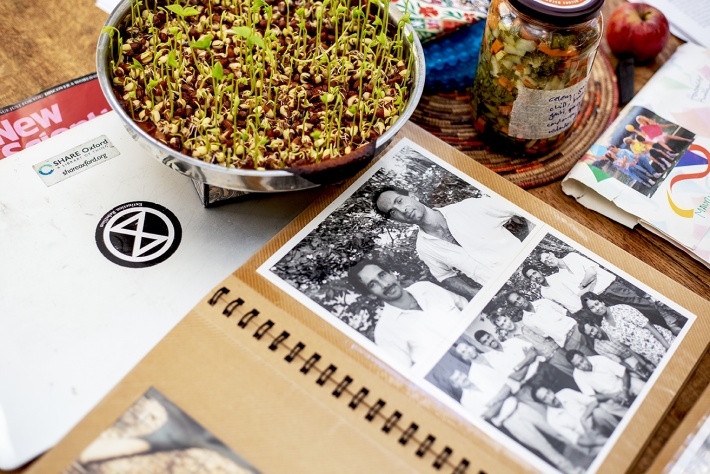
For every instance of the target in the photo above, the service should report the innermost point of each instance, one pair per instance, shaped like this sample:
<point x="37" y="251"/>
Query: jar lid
<point x="559" y="12"/>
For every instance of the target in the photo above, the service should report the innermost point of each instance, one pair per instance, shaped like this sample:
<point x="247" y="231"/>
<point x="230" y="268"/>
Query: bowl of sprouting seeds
<point x="258" y="95"/>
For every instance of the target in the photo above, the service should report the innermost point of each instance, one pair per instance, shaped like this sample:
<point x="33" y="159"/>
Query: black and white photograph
<point x="394" y="261"/>
<point x="560" y="355"/>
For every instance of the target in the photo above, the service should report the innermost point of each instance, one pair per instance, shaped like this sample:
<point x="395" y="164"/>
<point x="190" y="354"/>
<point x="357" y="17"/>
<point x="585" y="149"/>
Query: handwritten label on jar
<point x="543" y="114"/>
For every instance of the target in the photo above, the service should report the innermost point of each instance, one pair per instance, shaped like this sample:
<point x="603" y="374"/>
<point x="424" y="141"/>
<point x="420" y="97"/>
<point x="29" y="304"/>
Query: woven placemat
<point x="448" y="116"/>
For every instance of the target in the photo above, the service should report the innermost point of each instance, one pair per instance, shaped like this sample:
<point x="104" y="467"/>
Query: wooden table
<point x="48" y="43"/>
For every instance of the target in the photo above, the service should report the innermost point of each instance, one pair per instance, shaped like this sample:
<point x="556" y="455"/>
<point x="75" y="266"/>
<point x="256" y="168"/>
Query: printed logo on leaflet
<point x="46" y="170"/>
<point x="702" y="209"/>
<point x="138" y="234"/>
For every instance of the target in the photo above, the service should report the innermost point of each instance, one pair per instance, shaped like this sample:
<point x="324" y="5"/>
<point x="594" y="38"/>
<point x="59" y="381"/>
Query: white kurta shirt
<point x="562" y="290"/>
<point x="577" y="265"/>
<point x="408" y="335"/>
<point x="606" y="377"/>
<point x="549" y="319"/>
<point x="511" y="354"/>
<point x="567" y="419"/>
<point x="485" y="244"/>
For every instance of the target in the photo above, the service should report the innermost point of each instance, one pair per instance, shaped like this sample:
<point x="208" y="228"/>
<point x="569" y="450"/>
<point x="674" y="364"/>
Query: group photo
<point x="395" y="262"/>
<point x="559" y="354"/>
<point x="641" y="150"/>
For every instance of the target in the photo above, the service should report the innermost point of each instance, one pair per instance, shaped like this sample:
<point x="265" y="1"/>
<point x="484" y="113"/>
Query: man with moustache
<point x="513" y="357"/>
<point x="414" y="319"/>
<point x="475" y="236"/>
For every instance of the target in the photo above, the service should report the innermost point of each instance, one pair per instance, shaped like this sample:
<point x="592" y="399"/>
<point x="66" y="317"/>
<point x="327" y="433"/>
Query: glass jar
<point x="533" y="68"/>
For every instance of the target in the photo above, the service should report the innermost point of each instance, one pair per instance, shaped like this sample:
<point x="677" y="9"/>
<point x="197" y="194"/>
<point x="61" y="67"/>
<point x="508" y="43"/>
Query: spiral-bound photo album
<point x="425" y="316"/>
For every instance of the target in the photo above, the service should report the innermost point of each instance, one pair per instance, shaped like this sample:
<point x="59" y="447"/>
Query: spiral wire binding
<point x="342" y="387"/>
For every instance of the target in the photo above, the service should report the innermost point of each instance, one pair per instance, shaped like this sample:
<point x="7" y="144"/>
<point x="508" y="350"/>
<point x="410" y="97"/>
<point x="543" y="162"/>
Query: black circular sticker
<point x="138" y="234"/>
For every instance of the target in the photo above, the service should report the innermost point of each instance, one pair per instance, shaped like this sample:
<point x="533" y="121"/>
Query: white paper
<point x="73" y="322"/>
<point x="107" y="5"/>
<point x="676" y="201"/>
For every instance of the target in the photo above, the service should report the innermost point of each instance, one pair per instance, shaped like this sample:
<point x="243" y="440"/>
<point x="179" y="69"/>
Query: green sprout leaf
<point x="136" y="64"/>
<point x="110" y="30"/>
<point x="172" y="62"/>
<point x="256" y="40"/>
<point x="410" y="37"/>
<point x="203" y="43"/>
<point x="218" y="71"/>
<point x="315" y="134"/>
<point x="183" y="12"/>
<point x="243" y="31"/>
<point x="250" y="35"/>
<point x="382" y="38"/>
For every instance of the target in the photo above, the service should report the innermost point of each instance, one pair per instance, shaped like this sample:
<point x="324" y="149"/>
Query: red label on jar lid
<point x="564" y="3"/>
<point x="559" y="12"/>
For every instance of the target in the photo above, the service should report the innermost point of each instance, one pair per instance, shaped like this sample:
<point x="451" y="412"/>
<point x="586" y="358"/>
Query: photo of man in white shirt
<point x="472" y="236"/>
<point x="414" y="319"/>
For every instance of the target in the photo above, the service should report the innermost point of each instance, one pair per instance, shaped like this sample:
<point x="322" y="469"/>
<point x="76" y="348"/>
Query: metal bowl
<point x="269" y="181"/>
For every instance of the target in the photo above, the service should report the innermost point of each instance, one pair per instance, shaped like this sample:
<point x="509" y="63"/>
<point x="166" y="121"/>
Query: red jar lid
<point x="559" y="12"/>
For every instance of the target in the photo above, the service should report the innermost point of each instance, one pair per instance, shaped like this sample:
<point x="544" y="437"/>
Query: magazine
<point x="49" y="113"/>
<point x="651" y="166"/>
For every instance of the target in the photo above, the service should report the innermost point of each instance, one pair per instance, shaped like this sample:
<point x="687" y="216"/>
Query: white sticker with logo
<point x="74" y="161"/>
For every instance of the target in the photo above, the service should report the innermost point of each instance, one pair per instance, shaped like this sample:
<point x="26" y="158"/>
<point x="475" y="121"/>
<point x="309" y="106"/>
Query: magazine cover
<point x="49" y="113"/>
<point x="651" y="165"/>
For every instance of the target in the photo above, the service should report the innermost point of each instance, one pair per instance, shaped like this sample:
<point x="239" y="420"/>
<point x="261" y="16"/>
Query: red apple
<point x="637" y="29"/>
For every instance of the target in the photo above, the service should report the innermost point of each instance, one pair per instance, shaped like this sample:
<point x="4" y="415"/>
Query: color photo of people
<point x="396" y="261"/>
<point x="557" y="357"/>
<point x="641" y="150"/>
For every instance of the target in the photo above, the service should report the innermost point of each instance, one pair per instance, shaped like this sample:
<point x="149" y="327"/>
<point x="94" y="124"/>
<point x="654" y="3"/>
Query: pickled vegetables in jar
<point x="533" y="68"/>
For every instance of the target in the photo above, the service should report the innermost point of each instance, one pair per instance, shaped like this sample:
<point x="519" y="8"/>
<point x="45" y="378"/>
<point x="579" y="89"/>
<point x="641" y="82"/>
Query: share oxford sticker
<point x="74" y="161"/>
